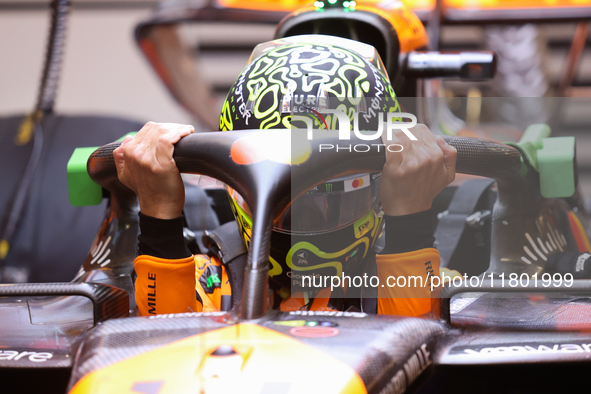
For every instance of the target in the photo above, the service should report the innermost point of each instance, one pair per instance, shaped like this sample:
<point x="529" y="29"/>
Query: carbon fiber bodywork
<point x="388" y="353"/>
<point x="109" y="302"/>
<point x="376" y="347"/>
<point x="40" y="322"/>
<point x="116" y="340"/>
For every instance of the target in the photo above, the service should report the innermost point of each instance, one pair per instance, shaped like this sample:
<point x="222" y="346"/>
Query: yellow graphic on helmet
<point x="245" y="225"/>
<point x="337" y="265"/>
<point x="364" y="225"/>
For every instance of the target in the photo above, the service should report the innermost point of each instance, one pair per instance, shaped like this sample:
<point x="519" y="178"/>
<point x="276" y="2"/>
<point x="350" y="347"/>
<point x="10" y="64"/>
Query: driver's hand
<point x="413" y="177"/>
<point x="145" y="165"/>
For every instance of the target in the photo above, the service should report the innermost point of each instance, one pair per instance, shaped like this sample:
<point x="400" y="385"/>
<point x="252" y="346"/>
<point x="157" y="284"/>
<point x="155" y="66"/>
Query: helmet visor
<point x="331" y="205"/>
<point x="327" y="207"/>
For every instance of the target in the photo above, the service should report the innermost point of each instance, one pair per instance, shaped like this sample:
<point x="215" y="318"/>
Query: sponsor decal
<point x="523" y="348"/>
<point x="302" y="256"/>
<point x="580" y="266"/>
<point x="290" y="323"/>
<point x="429" y="271"/>
<point x="25" y="355"/>
<point x="460" y="303"/>
<point x="357" y="183"/>
<point x="188" y="314"/>
<point x="301" y="323"/>
<point x="240" y="99"/>
<point x="147" y="387"/>
<point x="210" y="279"/>
<point x="99" y="252"/>
<point x="152" y="295"/>
<point x="213" y="280"/>
<point x="364" y="225"/>
<point x="314" y="331"/>
<point x="329" y="313"/>
<point x="411" y="370"/>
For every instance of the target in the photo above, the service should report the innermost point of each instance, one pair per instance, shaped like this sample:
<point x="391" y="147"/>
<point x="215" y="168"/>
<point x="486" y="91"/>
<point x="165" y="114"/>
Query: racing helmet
<point x="331" y="229"/>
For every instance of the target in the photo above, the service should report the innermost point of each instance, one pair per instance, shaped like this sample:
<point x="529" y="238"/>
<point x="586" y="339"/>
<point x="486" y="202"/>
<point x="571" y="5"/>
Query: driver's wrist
<point x="409" y="232"/>
<point x="403" y="208"/>
<point x="164" y="211"/>
<point x="162" y="238"/>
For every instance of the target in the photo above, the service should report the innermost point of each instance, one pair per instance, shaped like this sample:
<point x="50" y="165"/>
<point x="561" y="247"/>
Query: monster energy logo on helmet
<point x="299" y="78"/>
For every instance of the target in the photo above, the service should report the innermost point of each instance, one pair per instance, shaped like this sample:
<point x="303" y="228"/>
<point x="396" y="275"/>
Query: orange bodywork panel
<point x="265" y="5"/>
<point x="293" y="5"/>
<point x="263" y="357"/>
<point x="514" y="4"/>
<point x="409" y="28"/>
<point x="425" y="5"/>
<point x="416" y="5"/>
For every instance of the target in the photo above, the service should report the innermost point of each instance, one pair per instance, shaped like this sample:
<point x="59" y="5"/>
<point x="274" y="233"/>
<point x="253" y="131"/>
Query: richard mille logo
<point x="152" y="295"/>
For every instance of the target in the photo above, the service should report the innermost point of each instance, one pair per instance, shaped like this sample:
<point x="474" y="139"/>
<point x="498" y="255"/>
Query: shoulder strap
<point x="451" y="226"/>
<point x="198" y="211"/>
<point x="226" y="243"/>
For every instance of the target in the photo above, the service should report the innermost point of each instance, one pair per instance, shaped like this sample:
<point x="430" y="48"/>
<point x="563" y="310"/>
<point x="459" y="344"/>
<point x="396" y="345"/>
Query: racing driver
<point x="172" y="280"/>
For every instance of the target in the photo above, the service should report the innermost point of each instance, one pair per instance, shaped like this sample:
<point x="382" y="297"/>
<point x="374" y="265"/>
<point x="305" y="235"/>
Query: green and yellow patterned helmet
<point x="331" y="229"/>
<point x="283" y="71"/>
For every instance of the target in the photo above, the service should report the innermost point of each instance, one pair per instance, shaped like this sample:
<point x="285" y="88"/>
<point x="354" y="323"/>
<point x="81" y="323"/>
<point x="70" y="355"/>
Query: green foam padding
<point x="82" y="190"/>
<point x="532" y="141"/>
<point x="556" y="163"/>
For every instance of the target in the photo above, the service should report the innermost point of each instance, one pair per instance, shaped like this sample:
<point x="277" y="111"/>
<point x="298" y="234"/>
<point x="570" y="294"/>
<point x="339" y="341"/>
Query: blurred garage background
<point x="105" y="73"/>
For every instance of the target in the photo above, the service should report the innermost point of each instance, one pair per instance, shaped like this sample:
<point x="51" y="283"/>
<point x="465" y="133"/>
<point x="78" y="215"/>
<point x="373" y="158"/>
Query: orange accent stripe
<point x="244" y="152"/>
<point x="579" y="232"/>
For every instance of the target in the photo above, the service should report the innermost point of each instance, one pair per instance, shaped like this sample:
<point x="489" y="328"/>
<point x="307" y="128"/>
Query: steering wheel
<point x="269" y="168"/>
